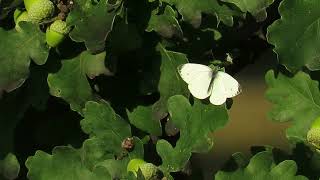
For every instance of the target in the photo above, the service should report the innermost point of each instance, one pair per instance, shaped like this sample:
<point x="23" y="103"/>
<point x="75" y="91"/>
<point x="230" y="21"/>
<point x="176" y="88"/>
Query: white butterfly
<point x="204" y="82"/>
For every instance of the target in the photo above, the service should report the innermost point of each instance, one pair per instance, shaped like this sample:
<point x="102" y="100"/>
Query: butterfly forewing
<point x="198" y="77"/>
<point x="200" y="86"/>
<point x="189" y="71"/>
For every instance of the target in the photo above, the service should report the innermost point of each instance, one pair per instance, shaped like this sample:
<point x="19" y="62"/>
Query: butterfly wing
<point x="198" y="77"/>
<point x="224" y="86"/>
<point x="231" y="86"/>
<point x="218" y="95"/>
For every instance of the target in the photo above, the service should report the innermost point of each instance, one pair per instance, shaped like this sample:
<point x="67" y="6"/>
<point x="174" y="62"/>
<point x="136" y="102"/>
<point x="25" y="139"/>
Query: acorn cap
<point x="40" y="10"/>
<point x="60" y="26"/>
<point x="313" y="137"/>
<point x="149" y="170"/>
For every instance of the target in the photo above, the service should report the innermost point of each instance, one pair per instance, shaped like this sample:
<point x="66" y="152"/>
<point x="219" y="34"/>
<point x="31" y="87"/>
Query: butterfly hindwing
<point x="231" y="86"/>
<point x="218" y="95"/>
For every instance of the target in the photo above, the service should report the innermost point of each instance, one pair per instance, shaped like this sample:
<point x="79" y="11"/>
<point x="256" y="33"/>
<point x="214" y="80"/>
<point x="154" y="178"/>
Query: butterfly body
<point x="204" y="82"/>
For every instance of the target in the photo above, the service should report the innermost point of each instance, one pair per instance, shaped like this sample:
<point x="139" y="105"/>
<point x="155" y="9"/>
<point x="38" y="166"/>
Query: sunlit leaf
<point x="295" y="99"/>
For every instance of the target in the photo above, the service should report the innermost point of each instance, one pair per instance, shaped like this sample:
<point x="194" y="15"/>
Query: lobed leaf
<point x="165" y="24"/>
<point x="148" y="118"/>
<point x="101" y="156"/>
<point x="92" y="23"/>
<point x="191" y="11"/>
<point x="102" y="122"/>
<point x="295" y="99"/>
<point x="263" y="167"/>
<point x="296" y="35"/>
<point x="256" y="7"/>
<point x="70" y="82"/>
<point x="195" y="123"/>
<point x="64" y="163"/>
<point x="17" y="50"/>
<point x="107" y="131"/>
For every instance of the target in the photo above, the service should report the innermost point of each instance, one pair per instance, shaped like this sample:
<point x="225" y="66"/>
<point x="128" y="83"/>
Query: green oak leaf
<point x="295" y="99"/>
<point x="64" y="163"/>
<point x="147" y="118"/>
<point x="296" y="35"/>
<point x="117" y="168"/>
<point x="9" y="167"/>
<point x="17" y="50"/>
<point x="195" y="123"/>
<point x="263" y="167"/>
<point x="92" y="23"/>
<point x="101" y="156"/>
<point x="191" y="10"/>
<point x="256" y="7"/>
<point x="98" y="149"/>
<point x="102" y="122"/>
<point x="95" y="150"/>
<point x="165" y="24"/>
<point x="107" y="131"/>
<point x="70" y="82"/>
<point x="140" y="117"/>
<point x="89" y="162"/>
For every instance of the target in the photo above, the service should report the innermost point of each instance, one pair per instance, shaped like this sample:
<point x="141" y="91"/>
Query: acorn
<point x="149" y="171"/>
<point x="313" y="135"/>
<point x="56" y="33"/>
<point x="39" y="10"/>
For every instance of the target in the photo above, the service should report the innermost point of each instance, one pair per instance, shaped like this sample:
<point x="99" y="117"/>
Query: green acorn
<point x="20" y="16"/>
<point x="56" y="33"/>
<point x="149" y="171"/>
<point x="39" y="10"/>
<point x="313" y="135"/>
